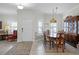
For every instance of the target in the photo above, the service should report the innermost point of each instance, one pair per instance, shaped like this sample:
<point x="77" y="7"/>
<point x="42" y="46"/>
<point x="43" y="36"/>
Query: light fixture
<point x="20" y="6"/>
<point x="53" y="20"/>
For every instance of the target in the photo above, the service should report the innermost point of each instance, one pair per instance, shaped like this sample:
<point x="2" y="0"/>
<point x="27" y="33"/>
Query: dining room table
<point x="52" y="38"/>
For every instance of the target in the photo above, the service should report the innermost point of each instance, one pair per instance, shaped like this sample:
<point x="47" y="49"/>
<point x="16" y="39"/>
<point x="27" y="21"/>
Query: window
<point x="53" y="29"/>
<point x="40" y="27"/>
<point x="12" y="27"/>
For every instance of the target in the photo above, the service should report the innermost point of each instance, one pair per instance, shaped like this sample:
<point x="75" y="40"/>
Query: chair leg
<point x="62" y="48"/>
<point x="56" y="47"/>
<point x="49" y="44"/>
<point x="45" y="43"/>
<point x="52" y="44"/>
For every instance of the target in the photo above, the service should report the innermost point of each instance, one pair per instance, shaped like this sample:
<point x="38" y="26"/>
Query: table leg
<point x="50" y="44"/>
<point x="53" y="44"/>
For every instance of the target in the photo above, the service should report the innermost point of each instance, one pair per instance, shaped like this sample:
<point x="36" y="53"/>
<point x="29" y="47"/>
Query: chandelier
<point x="53" y="19"/>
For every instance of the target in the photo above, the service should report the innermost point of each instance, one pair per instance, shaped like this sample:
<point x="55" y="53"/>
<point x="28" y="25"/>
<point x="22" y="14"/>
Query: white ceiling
<point x="62" y="7"/>
<point x="9" y="8"/>
<point x="6" y="8"/>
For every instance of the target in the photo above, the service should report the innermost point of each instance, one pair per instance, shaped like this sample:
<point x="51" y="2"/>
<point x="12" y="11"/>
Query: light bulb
<point x="20" y="7"/>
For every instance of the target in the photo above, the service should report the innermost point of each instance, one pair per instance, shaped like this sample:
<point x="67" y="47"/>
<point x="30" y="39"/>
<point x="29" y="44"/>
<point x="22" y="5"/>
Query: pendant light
<point x="53" y="20"/>
<point x="20" y="6"/>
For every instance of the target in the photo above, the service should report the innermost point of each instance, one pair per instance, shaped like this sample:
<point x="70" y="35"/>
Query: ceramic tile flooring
<point x="39" y="49"/>
<point x="14" y="48"/>
<point x="6" y="46"/>
<point x="21" y="48"/>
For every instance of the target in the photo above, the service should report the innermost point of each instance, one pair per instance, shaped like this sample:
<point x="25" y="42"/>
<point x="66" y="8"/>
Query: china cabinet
<point x="0" y="24"/>
<point x="71" y="29"/>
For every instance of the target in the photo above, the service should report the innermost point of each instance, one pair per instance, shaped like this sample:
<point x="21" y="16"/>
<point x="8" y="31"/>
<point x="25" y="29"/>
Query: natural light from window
<point x="40" y="25"/>
<point x="53" y="29"/>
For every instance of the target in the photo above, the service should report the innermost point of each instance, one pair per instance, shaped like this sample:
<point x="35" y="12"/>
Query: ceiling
<point x="6" y="8"/>
<point x="62" y="7"/>
<point x="10" y="8"/>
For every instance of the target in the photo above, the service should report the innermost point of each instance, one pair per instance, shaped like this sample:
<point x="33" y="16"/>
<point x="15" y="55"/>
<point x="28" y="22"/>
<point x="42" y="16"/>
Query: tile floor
<point x="6" y="46"/>
<point x="21" y="48"/>
<point x="38" y="48"/>
<point x="14" y="48"/>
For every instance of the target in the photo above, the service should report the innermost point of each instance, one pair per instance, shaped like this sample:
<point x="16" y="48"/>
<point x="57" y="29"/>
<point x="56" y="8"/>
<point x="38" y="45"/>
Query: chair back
<point x="60" y="38"/>
<point x="15" y="33"/>
<point x="46" y="35"/>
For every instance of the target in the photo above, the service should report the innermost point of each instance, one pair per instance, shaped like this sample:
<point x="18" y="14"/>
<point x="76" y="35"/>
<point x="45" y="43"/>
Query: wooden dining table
<point x="52" y="38"/>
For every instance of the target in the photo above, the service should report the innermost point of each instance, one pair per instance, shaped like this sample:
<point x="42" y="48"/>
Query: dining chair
<point x="47" y="39"/>
<point x="12" y="37"/>
<point x="59" y="42"/>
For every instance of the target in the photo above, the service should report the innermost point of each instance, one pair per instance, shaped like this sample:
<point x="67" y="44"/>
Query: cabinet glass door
<point x="78" y="27"/>
<point x="74" y="29"/>
<point x="70" y="27"/>
<point x="65" y="26"/>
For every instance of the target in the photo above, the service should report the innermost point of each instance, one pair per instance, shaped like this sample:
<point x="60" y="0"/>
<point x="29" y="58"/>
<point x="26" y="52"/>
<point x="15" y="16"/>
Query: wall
<point x="28" y="20"/>
<point x="47" y="18"/>
<point x="8" y="20"/>
<point x="1" y="20"/>
<point x="60" y="22"/>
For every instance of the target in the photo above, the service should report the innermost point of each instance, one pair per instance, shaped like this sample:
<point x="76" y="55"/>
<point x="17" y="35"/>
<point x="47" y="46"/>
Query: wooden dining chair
<point x="59" y="42"/>
<point x="47" y="39"/>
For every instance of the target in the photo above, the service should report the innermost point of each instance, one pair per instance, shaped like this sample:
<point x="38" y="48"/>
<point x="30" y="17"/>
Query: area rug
<point x="21" y="48"/>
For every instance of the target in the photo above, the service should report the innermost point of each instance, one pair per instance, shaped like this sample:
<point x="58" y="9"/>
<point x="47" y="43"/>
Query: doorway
<point x="8" y="32"/>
